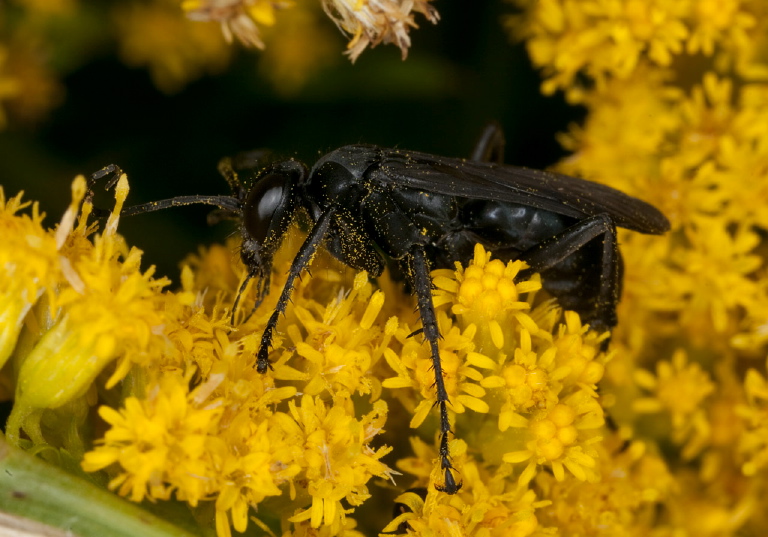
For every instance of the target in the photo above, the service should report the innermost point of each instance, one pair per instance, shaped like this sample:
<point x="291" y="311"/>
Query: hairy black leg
<point x="552" y="251"/>
<point x="300" y="262"/>
<point x="240" y="292"/>
<point x="490" y="145"/>
<point x="261" y="292"/>
<point x="422" y="286"/>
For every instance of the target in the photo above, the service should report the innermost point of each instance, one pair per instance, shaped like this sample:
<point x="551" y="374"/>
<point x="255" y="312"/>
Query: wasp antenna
<point x="100" y="174"/>
<point x="252" y="161"/>
<point x="229" y="174"/>
<point x="95" y="178"/>
<point x="227" y="203"/>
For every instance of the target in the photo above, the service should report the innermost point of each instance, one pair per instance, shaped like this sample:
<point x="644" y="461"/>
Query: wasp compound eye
<point x="269" y="207"/>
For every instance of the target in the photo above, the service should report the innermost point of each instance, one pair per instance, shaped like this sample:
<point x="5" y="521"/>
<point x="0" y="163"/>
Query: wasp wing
<point x="549" y="191"/>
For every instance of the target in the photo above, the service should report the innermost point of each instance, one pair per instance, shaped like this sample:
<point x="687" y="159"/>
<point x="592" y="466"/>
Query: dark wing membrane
<point x="549" y="191"/>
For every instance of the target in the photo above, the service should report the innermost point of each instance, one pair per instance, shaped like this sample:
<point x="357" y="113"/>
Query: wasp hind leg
<point x="597" y="298"/>
<point x="422" y="286"/>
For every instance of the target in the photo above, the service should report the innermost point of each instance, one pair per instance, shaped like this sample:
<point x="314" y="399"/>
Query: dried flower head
<point x="371" y="22"/>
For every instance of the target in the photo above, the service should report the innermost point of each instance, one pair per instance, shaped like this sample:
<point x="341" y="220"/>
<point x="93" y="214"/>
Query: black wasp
<point x="369" y="204"/>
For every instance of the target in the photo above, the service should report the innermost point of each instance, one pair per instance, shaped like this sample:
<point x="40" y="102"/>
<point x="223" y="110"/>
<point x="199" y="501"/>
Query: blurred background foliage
<point x="136" y="83"/>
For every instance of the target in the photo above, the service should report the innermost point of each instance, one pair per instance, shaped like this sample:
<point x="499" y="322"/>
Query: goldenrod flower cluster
<point x="158" y="390"/>
<point x="666" y="434"/>
<point x="607" y="40"/>
<point x="676" y="97"/>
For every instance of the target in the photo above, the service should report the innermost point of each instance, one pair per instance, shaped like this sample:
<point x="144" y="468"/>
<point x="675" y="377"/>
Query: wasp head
<point x="267" y="211"/>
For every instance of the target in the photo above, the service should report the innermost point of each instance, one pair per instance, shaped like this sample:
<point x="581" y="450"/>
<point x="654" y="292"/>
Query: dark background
<point x="459" y="74"/>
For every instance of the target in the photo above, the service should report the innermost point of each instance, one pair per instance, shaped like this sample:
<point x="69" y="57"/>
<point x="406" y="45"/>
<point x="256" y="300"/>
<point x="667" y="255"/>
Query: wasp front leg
<point x="300" y="262"/>
<point x="422" y="286"/>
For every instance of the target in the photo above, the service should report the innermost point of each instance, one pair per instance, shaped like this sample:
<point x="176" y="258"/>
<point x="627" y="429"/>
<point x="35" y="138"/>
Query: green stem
<point x="34" y="490"/>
